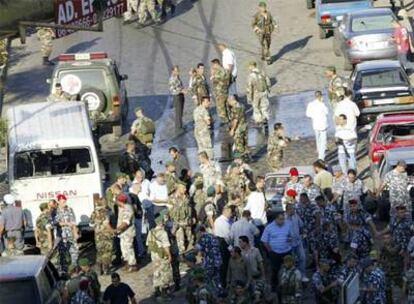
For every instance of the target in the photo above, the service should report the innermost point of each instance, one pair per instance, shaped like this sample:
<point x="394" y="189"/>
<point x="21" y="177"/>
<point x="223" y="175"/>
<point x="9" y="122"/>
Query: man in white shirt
<point x="159" y="193"/>
<point x="346" y="140"/>
<point x="230" y="64"/>
<point x="221" y="229"/>
<point x="349" y="108"/>
<point x="256" y="204"/>
<point x="318" y="112"/>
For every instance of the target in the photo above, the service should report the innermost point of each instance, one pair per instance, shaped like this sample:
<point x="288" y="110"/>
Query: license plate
<point x="384" y="101"/>
<point x="377" y="45"/>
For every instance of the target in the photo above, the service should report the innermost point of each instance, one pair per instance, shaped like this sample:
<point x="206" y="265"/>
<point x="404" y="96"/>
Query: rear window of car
<point x="390" y="133"/>
<point x="13" y="292"/>
<point x="371" y="23"/>
<point x="90" y="78"/>
<point x="340" y="1"/>
<point x="380" y="78"/>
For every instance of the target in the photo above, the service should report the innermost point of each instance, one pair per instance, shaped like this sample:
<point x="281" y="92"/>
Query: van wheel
<point x="322" y="33"/>
<point x="310" y="4"/>
<point x="348" y="66"/>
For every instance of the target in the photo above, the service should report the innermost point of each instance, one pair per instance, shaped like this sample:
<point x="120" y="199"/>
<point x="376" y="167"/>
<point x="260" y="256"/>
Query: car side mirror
<point x="49" y="81"/>
<point x="124" y="77"/>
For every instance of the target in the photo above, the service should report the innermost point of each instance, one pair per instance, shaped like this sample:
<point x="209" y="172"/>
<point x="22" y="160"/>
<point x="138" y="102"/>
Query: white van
<point x="51" y="151"/>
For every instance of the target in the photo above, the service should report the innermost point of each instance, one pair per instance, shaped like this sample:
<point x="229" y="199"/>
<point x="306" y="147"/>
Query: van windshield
<point x="44" y="163"/>
<point x="21" y="291"/>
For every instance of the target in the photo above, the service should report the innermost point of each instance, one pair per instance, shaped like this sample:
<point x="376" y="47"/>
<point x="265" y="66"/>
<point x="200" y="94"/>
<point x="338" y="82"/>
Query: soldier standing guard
<point x="147" y="6"/>
<point x="203" y="127"/>
<point x="143" y="128"/>
<point x="220" y="81"/>
<point x="258" y="88"/>
<point x="43" y="231"/>
<point x="159" y="246"/>
<point x="335" y="87"/>
<point x="290" y="285"/>
<point x="46" y="35"/>
<point x="238" y="127"/>
<point x="263" y="25"/>
<point x="126" y="231"/>
<point x="276" y="144"/>
<point x="199" y="86"/>
<point x="103" y="235"/>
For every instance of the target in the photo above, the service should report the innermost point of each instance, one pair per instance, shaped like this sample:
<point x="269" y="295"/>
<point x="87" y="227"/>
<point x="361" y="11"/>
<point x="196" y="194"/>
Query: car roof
<point x="20" y="267"/>
<point x="371" y="12"/>
<point x="376" y="64"/>
<point x="395" y="117"/>
<point x="404" y="153"/>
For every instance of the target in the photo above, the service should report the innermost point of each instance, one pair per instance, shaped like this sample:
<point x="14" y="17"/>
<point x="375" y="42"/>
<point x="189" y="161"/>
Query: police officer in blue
<point x="374" y="290"/>
<point x="361" y="240"/>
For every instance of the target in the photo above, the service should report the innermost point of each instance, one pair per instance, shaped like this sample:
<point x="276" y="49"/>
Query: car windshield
<point x="90" y="78"/>
<point x="380" y="78"/>
<point x="23" y="291"/>
<point x="340" y="1"/>
<point x="52" y="162"/>
<point x="391" y="133"/>
<point x="371" y="23"/>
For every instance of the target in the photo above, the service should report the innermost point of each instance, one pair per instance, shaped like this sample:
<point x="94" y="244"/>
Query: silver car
<point x="365" y="35"/>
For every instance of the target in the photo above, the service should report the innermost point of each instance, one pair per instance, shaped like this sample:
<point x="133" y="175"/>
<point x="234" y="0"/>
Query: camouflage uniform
<point x="171" y="181"/>
<point x="67" y="247"/>
<point x="211" y="174"/>
<point x="103" y="235"/>
<point x="409" y="280"/>
<point x="328" y="242"/>
<point x="46" y="35"/>
<point x="313" y="191"/>
<point x="3" y="52"/>
<point x="235" y="183"/>
<point x="290" y="286"/>
<point x="181" y="215"/>
<point x="147" y="6"/>
<point x="199" y="87"/>
<point x="397" y="184"/>
<point x="308" y="212"/>
<point x="126" y="215"/>
<point x="361" y="242"/>
<point x="401" y="231"/>
<point x="199" y="199"/>
<point x="376" y="281"/>
<point x="237" y="115"/>
<point x="203" y="130"/>
<point x="320" y="279"/>
<point x="42" y="224"/>
<point x="334" y="84"/>
<point x="144" y="130"/>
<point x="257" y="95"/>
<point x="157" y="241"/>
<point x="220" y="82"/>
<point x="393" y="265"/>
<point x="132" y="9"/>
<point x="266" y="26"/>
<point x="275" y="147"/>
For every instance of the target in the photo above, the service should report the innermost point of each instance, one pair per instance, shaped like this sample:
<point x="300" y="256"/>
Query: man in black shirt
<point x="129" y="162"/>
<point x="118" y="292"/>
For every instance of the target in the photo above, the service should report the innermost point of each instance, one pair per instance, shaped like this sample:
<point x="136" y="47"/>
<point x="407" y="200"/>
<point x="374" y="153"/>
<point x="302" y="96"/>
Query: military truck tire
<point x="94" y="99"/>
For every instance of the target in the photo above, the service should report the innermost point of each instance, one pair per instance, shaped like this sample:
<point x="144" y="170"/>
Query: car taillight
<point x="376" y="157"/>
<point x="116" y="101"/>
<point x="367" y="103"/>
<point x="326" y="18"/>
<point x="349" y="42"/>
<point x="82" y="56"/>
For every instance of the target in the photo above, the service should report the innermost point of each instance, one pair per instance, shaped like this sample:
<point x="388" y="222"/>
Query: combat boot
<point x="46" y="61"/>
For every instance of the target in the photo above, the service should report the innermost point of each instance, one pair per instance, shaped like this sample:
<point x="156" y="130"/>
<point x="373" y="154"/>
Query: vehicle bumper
<point x="356" y="56"/>
<point x="369" y="114"/>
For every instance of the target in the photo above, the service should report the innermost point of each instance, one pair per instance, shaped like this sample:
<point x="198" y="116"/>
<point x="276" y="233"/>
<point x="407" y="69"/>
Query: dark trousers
<point x="225" y="256"/>
<point x="276" y="261"/>
<point x="179" y="108"/>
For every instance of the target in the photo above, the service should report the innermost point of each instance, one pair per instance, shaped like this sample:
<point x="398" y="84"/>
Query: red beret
<point x="291" y="193"/>
<point x="123" y="198"/>
<point x="294" y="172"/>
<point x="61" y="197"/>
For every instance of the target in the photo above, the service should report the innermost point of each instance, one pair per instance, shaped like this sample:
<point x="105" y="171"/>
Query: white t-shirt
<point x="318" y="112"/>
<point x="229" y="58"/>
<point x="256" y="204"/>
<point x="350" y="110"/>
<point x="158" y="192"/>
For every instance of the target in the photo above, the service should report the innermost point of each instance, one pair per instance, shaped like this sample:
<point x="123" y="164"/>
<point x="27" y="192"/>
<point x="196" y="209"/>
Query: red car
<point x="390" y="131"/>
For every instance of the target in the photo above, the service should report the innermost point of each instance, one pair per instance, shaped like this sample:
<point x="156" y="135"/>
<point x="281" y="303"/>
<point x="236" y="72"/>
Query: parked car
<point x="389" y="131"/>
<point x="381" y="86"/>
<point x="96" y="80"/>
<point x="29" y="279"/>
<point x="365" y="35"/>
<point x="329" y="12"/>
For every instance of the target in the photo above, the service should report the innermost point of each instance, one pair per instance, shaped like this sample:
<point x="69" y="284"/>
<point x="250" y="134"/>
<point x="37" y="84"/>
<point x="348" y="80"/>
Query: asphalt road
<point x="147" y="55"/>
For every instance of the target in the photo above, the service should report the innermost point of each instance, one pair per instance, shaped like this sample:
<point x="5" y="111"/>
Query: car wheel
<point x="310" y="4"/>
<point x="335" y="47"/>
<point x="348" y="66"/>
<point x="94" y="99"/>
<point x="322" y="33"/>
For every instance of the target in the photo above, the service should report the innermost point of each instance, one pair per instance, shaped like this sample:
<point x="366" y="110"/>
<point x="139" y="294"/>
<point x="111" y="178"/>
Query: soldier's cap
<point x="121" y="175"/>
<point x="211" y="191"/>
<point x="198" y="175"/>
<point x="169" y="163"/>
<point x="401" y="206"/>
<point x="331" y="68"/>
<point x="137" y="109"/>
<point x="262" y="4"/>
<point x="161" y="216"/>
<point x="293" y="172"/>
<point x="84" y="262"/>
<point x="237" y="155"/>
<point x="374" y="255"/>
<point x="291" y="193"/>
<point x="288" y="258"/>
<point x="123" y="198"/>
<point x="325" y="261"/>
<point x="43" y="206"/>
<point x="198" y="182"/>
<point x="402" y="163"/>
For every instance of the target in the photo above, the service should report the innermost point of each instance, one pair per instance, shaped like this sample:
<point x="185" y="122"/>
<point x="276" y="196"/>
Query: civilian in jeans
<point x="177" y="91"/>
<point x="277" y="239"/>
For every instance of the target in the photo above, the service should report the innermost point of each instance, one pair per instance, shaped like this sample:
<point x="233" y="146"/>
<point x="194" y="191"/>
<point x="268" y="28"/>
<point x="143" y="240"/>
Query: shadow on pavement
<point x="298" y="44"/>
<point x="83" y="46"/>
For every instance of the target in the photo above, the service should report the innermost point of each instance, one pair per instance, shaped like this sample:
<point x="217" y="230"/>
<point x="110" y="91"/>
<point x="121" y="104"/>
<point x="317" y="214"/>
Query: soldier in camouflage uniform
<point x="199" y="196"/>
<point x="159" y="247"/>
<point x="171" y="177"/>
<point x="258" y="88"/>
<point x="92" y="276"/>
<point x="276" y="144"/>
<point x="3" y="52"/>
<point x="336" y="84"/>
<point x="148" y="6"/>
<point x="290" y="282"/>
<point x="132" y="9"/>
<point x="103" y="235"/>
<point x="210" y="170"/>
<point x="43" y="231"/>
<point x="263" y="25"/>
<point x="236" y="183"/>
<point x="126" y="231"/>
<point x="143" y="128"/>
<point x="181" y="214"/>
<point x="46" y="35"/>
<point x="199" y="86"/>
<point x="203" y="127"/>
<point x="392" y="264"/>
<point x="238" y="127"/>
<point x="220" y="81"/>
<point x="408" y="287"/>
